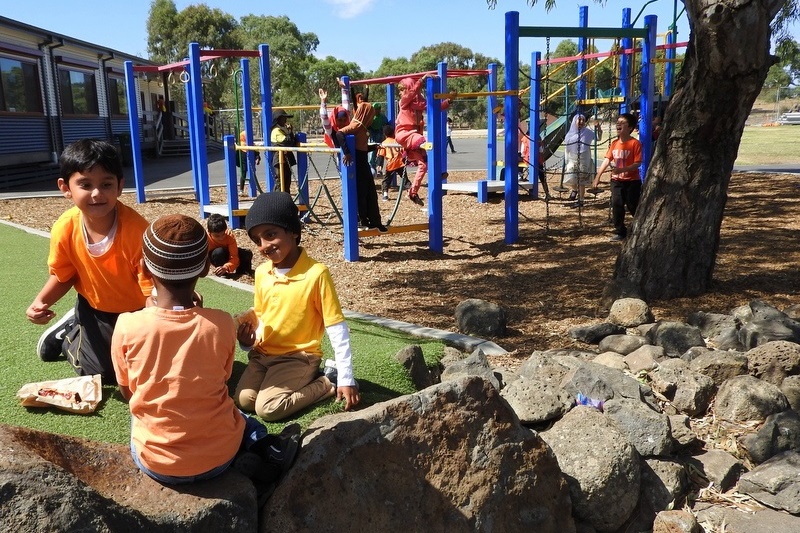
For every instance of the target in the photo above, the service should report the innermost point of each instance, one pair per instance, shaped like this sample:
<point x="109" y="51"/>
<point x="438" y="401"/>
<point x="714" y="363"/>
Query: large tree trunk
<point x="673" y="246"/>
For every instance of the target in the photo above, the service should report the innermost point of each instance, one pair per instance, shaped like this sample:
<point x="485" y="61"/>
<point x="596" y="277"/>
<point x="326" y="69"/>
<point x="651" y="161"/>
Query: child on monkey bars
<point x="408" y="130"/>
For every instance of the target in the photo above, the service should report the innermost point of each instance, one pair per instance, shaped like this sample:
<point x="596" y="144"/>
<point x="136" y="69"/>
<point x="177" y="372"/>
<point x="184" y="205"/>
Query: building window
<point x="118" y="99"/>
<point x="19" y="86"/>
<point x="78" y="92"/>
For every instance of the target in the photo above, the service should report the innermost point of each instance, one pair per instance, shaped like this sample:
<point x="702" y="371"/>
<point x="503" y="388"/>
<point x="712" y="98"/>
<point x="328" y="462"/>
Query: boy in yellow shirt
<point x="95" y="247"/>
<point x="295" y="304"/>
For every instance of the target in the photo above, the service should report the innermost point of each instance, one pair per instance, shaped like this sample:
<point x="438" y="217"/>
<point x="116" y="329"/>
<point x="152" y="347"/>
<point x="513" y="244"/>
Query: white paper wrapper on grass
<point x="75" y="395"/>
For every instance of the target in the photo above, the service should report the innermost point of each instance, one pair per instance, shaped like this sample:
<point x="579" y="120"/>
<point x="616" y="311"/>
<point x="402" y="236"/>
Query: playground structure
<point x="190" y="73"/>
<point x="626" y="33"/>
<point x="436" y="89"/>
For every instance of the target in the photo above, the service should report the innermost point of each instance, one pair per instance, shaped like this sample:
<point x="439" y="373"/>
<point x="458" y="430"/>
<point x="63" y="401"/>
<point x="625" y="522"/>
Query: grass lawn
<point x="379" y="375"/>
<point x="769" y="145"/>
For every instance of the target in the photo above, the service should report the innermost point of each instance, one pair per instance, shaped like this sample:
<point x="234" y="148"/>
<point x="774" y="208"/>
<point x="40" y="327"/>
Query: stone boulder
<point x="537" y="400"/>
<point x="452" y="457"/>
<point x="780" y="432"/>
<point x="775" y="483"/>
<point x="621" y="344"/>
<point x="481" y="318"/>
<point x="594" y="333"/>
<point x="773" y="361"/>
<point x="675" y="337"/>
<point x="476" y="364"/>
<point x="745" y="398"/>
<point x="761" y="323"/>
<point x="59" y="483"/>
<point x="646" y="429"/>
<point x="719" y="365"/>
<point x="630" y="312"/>
<point x="602" y="468"/>
<point x="412" y="359"/>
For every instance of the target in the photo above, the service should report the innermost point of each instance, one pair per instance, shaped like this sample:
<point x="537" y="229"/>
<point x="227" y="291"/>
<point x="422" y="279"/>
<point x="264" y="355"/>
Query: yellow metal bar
<point x="601" y="101"/>
<point x="295" y="107"/>
<point x="307" y="149"/>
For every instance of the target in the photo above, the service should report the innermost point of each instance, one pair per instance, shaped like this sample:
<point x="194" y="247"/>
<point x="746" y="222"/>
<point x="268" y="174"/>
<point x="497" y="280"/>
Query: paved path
<point x="176" y="172"/>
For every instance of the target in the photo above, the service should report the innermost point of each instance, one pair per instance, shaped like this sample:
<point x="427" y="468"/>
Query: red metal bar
<point x="455" y="73"/>
<point x="206" y="55"/>
<point x="595" y="55"/>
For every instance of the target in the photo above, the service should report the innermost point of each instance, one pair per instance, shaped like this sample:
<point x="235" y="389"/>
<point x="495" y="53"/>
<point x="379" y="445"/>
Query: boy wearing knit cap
<point x="295" y="303"/>
<point x="173" y="360"/>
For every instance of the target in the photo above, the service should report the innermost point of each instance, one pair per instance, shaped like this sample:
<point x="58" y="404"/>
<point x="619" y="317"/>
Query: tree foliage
<point x="290" y="54"/>
<point x="169" y="33"/>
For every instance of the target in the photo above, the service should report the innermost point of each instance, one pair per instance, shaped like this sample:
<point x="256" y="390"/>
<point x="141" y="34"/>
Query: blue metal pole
<point x="302" y="172"/>
<point x="350" y="203"/>
<point x="441" y="150"/>
<point x="230" y="178"/>
<point x="435" y="126"/>
<point x="646" y="99"/>
<point x="511" y="114"/>
<point x="133" y="124"/>
<point x="625" y="63"/>
<point x="200" y="170"/>
<point x="391" y="110"/>
<point x="534" y="123"/>
<point x="669" y="69"/>
<point x="266" y="112"/>
<point x="247" y="113"/>
<point x="583" y="22"/>
<point x="491" y="126"/>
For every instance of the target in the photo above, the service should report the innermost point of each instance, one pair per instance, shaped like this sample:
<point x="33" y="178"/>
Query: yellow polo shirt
<point x="296" y="308"/>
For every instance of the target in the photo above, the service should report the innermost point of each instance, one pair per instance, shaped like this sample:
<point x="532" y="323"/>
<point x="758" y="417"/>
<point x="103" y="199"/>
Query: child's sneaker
<point x="49" y="346"/>
<point x="281" y="449"/>
<point x="264" y="475"/>
<point x="329" y="371"/>
<point x="386" y="197"/>
<point x="414" y="197"/>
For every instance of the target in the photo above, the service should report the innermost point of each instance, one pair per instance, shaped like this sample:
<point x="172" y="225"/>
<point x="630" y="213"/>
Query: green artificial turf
<point x="379" y="375"/>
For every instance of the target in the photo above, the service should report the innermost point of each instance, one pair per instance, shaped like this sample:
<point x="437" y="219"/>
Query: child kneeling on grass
<point x="295" y="303"/>
<point x="95" y="248"/>
<point x="173" y="360"/>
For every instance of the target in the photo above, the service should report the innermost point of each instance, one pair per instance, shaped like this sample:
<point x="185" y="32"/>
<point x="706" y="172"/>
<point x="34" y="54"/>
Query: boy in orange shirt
<point x="95" y="247"/>
<point x="226" y="257"/>
<point x="626" y="185"/>
<point x="173" y="360"/>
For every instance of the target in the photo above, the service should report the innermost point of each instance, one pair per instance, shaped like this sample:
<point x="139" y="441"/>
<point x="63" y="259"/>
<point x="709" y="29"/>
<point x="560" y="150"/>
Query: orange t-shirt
<point x="233" y="250"/>
<point x="624" y="154"/>
<point x="176" y="364"/>
<point x="113" y="282"/>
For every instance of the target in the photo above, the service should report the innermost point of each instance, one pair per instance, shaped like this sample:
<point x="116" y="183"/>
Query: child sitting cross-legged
<point x="172" y="362"/>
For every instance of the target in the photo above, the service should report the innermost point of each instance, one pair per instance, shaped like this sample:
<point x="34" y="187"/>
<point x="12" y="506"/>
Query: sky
<point x="360" y="31"/>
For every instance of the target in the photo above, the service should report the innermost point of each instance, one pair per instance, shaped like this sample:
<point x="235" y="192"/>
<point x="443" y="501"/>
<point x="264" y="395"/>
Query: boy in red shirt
<point x="626" y="185"/>
<point x="95" y="247"/>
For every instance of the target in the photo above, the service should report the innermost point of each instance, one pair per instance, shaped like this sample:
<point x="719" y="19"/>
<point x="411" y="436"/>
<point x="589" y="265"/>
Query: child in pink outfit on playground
<point x="407" y="130"/>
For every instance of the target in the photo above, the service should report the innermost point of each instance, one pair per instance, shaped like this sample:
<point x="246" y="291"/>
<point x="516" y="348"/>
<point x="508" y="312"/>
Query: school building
<point x="55" y="90"/>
